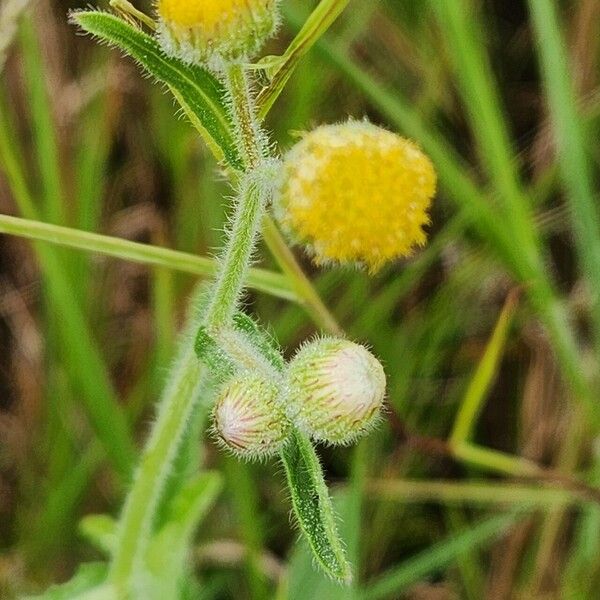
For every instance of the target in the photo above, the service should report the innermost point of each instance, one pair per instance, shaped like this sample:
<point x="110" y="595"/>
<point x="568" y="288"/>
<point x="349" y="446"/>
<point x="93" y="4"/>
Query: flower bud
<point x="205" y="31"/>
<point x="336" y="390"/>
<point x="248" y="418"/>
<point x="355" y="194"/>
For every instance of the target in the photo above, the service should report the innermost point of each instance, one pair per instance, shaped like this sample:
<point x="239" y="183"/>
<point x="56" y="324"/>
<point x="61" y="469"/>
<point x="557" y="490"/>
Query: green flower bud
<point x="336" y="390"/>
<point x="248" y="417"/>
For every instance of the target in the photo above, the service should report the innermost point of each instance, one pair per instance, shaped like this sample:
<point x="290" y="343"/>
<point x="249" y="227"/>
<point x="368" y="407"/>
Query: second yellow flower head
<point x="356" y="193"/>
<point x="199" y="31"/>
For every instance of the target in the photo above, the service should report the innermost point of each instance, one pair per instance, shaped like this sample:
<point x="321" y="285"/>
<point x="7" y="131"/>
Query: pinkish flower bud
<point x="336" y="390"/>
<point x="248" y="418"/>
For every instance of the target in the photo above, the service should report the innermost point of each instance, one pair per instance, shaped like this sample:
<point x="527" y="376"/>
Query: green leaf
<point x="260" y="338"/>
<point x="191" y="504"/>
<point x="312" y="506"/>
<point x="303" y="580"/>
<point x="88" y="577"/>
<point x="215" y="358"/>
<point x="280" y="68"/>
<point x="199" y="93"/>
<point x="101" y="531"/>
<point x="166" y="561"/>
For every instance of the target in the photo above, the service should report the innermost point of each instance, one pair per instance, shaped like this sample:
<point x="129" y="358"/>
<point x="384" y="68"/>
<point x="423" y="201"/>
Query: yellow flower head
<point x="356" y="193"/>
<point x="198" y="31"/>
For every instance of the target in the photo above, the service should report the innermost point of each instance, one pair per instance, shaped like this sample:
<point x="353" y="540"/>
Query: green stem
<point x="181" y="396"/>
<point x="236" y="259"/>
<point x="302" y="286"/>
<point x="250" y="137"/>
<point x="253" y="199"/>
<point x="176" y="408"/>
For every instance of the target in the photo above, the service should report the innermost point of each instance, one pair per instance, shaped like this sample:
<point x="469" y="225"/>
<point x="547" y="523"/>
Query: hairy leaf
<point x="199" y="92"/>
<point x="312" y="506"/>
<point x="167" y="557"/>
<point x="260" y="338"/>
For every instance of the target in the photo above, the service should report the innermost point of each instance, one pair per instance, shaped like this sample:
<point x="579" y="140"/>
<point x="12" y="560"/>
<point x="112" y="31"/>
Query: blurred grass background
<point x="481" y="482"/>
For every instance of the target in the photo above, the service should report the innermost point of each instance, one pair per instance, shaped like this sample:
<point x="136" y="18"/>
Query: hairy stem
<point x="225" y="295"/>
<point x="251" y="138"/>
<point x="254" y="147"/>
<point x="181" y="398"/>
<point x="176" y="407"/>
<point x="254" y="194"/>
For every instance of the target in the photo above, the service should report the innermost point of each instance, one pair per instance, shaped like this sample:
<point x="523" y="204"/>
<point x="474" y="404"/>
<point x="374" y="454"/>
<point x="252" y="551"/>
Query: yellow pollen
<point x="355" y="193"/>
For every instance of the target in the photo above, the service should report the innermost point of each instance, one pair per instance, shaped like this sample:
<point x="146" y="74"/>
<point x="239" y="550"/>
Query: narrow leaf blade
<point x="437" y="557"/>
<point x="313" y="508"/>
<point x="199" y="93"/>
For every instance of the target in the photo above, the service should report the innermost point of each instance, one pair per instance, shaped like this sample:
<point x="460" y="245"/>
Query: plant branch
<point x="181" y="396"/>
<point x="301" y="285"/>
<point x="253" y="197"/>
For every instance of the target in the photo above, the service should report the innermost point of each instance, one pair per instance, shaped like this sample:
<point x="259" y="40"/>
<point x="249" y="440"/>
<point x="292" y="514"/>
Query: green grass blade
<point x="312" y="506"/>
<point x="44" y="130"/>
<point x="94" y="141"/>
<point x="58" y="512"/>
<point x="484" y="375"/>
<point x="88" y="369"/>
<point x="570" y="142"/>
<point x="259" y="279"/>
<point x="319" y="21"/>
<point x="94" y="144"/>
<point x="436" y="558"/>
<point x="473" y="493"/>
<point x="198" y="92"/>
<point x="480" y="98"/>
<point x="469" y="564"/>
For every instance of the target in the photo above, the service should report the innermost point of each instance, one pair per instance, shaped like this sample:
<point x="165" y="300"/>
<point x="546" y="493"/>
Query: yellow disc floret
<point x="356" y="193"/>
<point x="199" y="31"/>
